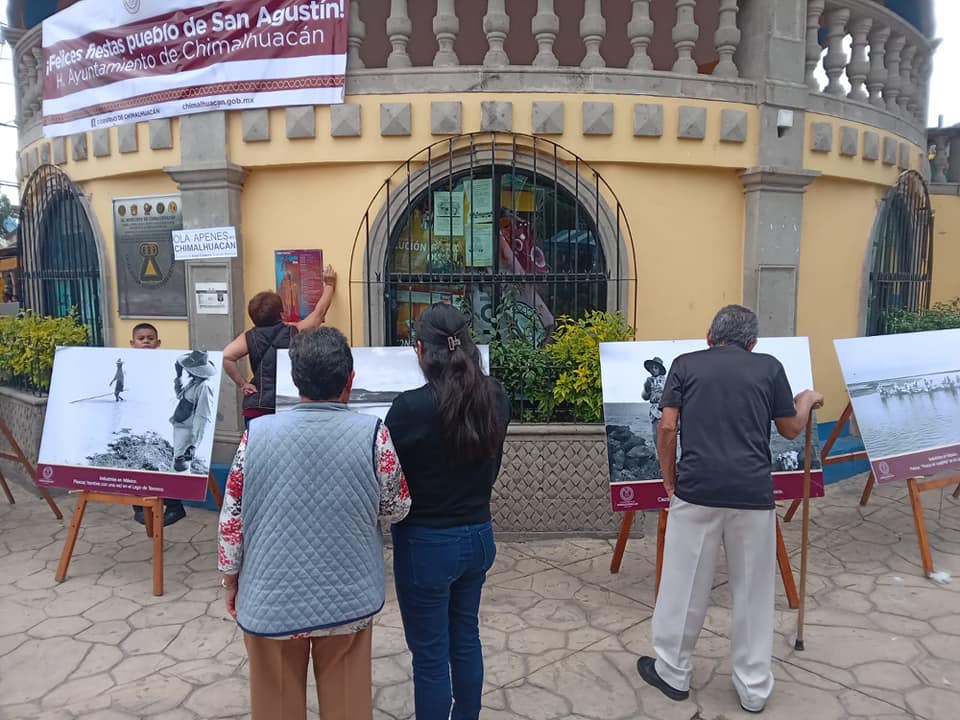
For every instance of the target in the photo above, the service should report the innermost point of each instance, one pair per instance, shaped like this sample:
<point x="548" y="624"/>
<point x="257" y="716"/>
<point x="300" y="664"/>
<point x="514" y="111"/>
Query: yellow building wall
<point x="838" y="218"/>
<point x="946" y="248"/>
<point x="101" y="192"/>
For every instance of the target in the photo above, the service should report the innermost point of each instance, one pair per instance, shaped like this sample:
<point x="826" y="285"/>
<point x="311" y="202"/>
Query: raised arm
<point x="235" y="351"/>
<point x="804" y="404"/>
<point x="319" y="313"/>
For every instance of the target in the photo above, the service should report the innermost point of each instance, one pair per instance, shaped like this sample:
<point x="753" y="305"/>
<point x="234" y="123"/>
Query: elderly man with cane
<point x="721" y="491"/>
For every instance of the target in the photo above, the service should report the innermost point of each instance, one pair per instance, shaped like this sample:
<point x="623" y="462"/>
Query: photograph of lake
<point x="382" y="373"/>
<point x="905" y="391"/>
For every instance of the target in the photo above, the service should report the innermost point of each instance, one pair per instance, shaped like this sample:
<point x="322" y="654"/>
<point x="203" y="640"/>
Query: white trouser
<point x="694" y="533"/>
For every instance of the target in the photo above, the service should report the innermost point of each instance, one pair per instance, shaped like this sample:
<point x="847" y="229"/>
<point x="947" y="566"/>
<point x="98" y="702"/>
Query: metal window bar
<point x="575" y="219"/>
<point x="900" y="277"/>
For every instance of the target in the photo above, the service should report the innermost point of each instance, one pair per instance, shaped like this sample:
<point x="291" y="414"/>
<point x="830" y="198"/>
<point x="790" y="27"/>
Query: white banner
<point x="110" y="62"/>
<point x="203" y="243"/>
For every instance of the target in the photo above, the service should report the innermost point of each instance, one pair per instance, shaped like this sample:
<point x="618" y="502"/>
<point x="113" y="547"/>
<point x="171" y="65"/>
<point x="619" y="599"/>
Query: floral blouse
<point x="394" y="506"/>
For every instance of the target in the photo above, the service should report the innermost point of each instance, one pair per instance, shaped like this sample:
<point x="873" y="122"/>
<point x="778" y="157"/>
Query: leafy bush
<point x="942" y="316"/>
<point x="528" y="376"/>
<point x="575" y="353"/>
<point x="27" y="345"/>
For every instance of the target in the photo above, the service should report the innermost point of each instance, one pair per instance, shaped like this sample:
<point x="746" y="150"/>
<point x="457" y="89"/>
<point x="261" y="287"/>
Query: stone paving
<point x="561" y="635"/>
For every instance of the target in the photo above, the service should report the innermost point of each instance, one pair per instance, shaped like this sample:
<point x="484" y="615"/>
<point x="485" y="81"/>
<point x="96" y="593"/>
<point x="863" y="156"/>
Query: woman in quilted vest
<point x="449" y="438"/>
<point x="269" y="334"/>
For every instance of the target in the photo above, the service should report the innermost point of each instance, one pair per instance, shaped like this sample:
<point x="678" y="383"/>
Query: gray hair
<point x="734" y="325"/>
<point x="321" y="363"/>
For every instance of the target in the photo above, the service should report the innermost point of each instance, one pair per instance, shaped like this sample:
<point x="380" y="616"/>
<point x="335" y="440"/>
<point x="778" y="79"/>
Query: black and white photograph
<point x="382" y="373"/>
<point x="633" y="376"/>
<point x="905" y="391"/>
<point x="149" y="411"/>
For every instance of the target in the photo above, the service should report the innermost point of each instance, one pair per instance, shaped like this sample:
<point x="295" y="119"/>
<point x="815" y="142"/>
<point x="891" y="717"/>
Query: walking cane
<point x="92" y="397"/>
<point x="798" y="645"/>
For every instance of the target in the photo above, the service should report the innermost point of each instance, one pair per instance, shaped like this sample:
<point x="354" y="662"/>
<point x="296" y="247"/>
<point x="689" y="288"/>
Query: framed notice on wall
<point x="150" y="282"/>
<point x="299" y="281"/>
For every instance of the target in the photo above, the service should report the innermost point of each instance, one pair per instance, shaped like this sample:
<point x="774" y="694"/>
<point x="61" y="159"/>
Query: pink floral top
<point x="394" y="506"/>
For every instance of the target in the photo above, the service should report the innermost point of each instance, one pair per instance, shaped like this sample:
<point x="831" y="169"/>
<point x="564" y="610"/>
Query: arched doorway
<point x="902" y="253"/>
<point x="514" y="229"/>
<point x="58" y="262"/>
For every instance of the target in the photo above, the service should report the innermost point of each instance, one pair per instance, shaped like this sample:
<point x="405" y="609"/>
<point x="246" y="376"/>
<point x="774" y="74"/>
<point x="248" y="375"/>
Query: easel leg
<point x="792" y="510"/>
<point x="67" y="553"/>
<point x="158" y="547"/>
<point x="625" y="525"/>
<point x="661" y="541"/>
<point x="6" y="490"/>
<point x="45" y="494"/>
<point x="921" y="525"/>
<point x="215" y="491"/>
<point x="786" y="572"/>
<point x="956" y="493"/>
<point x="867" y="489"/>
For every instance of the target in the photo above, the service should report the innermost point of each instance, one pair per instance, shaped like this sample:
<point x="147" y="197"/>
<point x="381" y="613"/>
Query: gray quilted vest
<point x="312" y="549"/>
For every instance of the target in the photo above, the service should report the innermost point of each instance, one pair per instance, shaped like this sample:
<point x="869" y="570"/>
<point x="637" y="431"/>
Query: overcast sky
<point x="944" y="98"/>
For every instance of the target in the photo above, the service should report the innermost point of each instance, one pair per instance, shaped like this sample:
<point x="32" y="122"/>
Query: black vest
<point x="262" y="346"/>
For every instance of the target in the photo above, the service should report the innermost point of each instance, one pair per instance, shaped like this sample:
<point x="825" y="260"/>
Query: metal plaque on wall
<point x="150" y="283"/>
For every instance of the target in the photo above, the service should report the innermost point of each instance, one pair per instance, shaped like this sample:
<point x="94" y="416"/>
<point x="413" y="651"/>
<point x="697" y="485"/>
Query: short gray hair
<point x="321" y="363"/>
<point x="734" y="325"/>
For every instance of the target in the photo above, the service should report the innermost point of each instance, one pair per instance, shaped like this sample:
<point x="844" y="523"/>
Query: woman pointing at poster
<point x="269" y="334"/>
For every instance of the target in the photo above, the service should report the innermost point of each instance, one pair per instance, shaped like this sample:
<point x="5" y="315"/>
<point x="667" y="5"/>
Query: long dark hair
<point x="466" y="398"/>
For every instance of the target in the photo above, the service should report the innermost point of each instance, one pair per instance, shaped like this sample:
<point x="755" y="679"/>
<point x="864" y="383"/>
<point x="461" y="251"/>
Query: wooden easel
<point x="915" y="486"/>
<point x="152" y="517"/>
<point x="18" y="456"/>
<point x="783" y="559"/>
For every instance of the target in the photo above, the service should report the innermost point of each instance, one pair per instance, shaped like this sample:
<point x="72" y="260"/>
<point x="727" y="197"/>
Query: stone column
<point x="778" y="51"/>
<point x="685" y="34"/>
<point x="446" y="25"/>
<point x="210" y="187"/>
<point x="592" y="29"/>
<point x="356" y="34"/>
<point x="771" y="250"/>
<point x="836" y="59"/>
<point x="496" y="25"/>
<point x="859" y="67"/>
<point x="546" y="27"/>
<point x="399" y="28"/>
<point x="640" y="33"/>
<point x="877" y="78"/>
<point x="940" y="161"/>
<point x="814" y="11"/>
<point x="726" y="38"/>
<point x="953" y="159"/>
<point x="891" y="91"/>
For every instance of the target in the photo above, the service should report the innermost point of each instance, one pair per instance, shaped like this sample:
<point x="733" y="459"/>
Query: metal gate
<point x="902" y="253"/>
<point x="58" y="265"/>
<point x="490" y="221"/>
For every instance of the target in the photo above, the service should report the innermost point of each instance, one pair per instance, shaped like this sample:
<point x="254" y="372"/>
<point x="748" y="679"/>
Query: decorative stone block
<point x="45" y="154"/>
<point x="598" y="118"/>
<point x="548" y="118"/>
<point x="60" y="151"/>
<point x="821" y="137"/>
<point x="647" y="120"/>
<point x="127" y="141"/>
<point x="161" y="134"/>
<point x="871" y="145"/>
<point x="345" y="121"/>
<point x="733" y="126"/>
<point x="692" y="123"/>
<point x="255" y="125"/>
<point x="849" y="141"/>
<point x="301" y="122"/>
<point x="496" y="116"/>
<point x="903" y="157"/>
<point x="446" y="118"/>
<point x="78" y="146"/>
<point x="396" y="119"/>
<point x="889" y="151"/>
<point x="101" y="142"/>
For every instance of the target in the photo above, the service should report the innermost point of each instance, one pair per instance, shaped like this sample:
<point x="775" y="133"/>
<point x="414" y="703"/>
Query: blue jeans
<point x="439" y="575"/>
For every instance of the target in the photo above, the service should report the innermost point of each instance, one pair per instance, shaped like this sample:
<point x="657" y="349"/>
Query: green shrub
<point x="575" y="355"/>
<point x="27" y="345"/>
<point x="942" y="316"/>
<point x="528" y="376"/>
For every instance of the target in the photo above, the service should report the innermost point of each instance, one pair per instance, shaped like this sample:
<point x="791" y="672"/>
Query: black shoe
<point x="180" y="464"/>
<point x="173" y="513"/>
<point x="648" y="671"/>
<point x="188" y="455"/>
<point x="138" y="514"/>
<point x="752" y="712"/>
